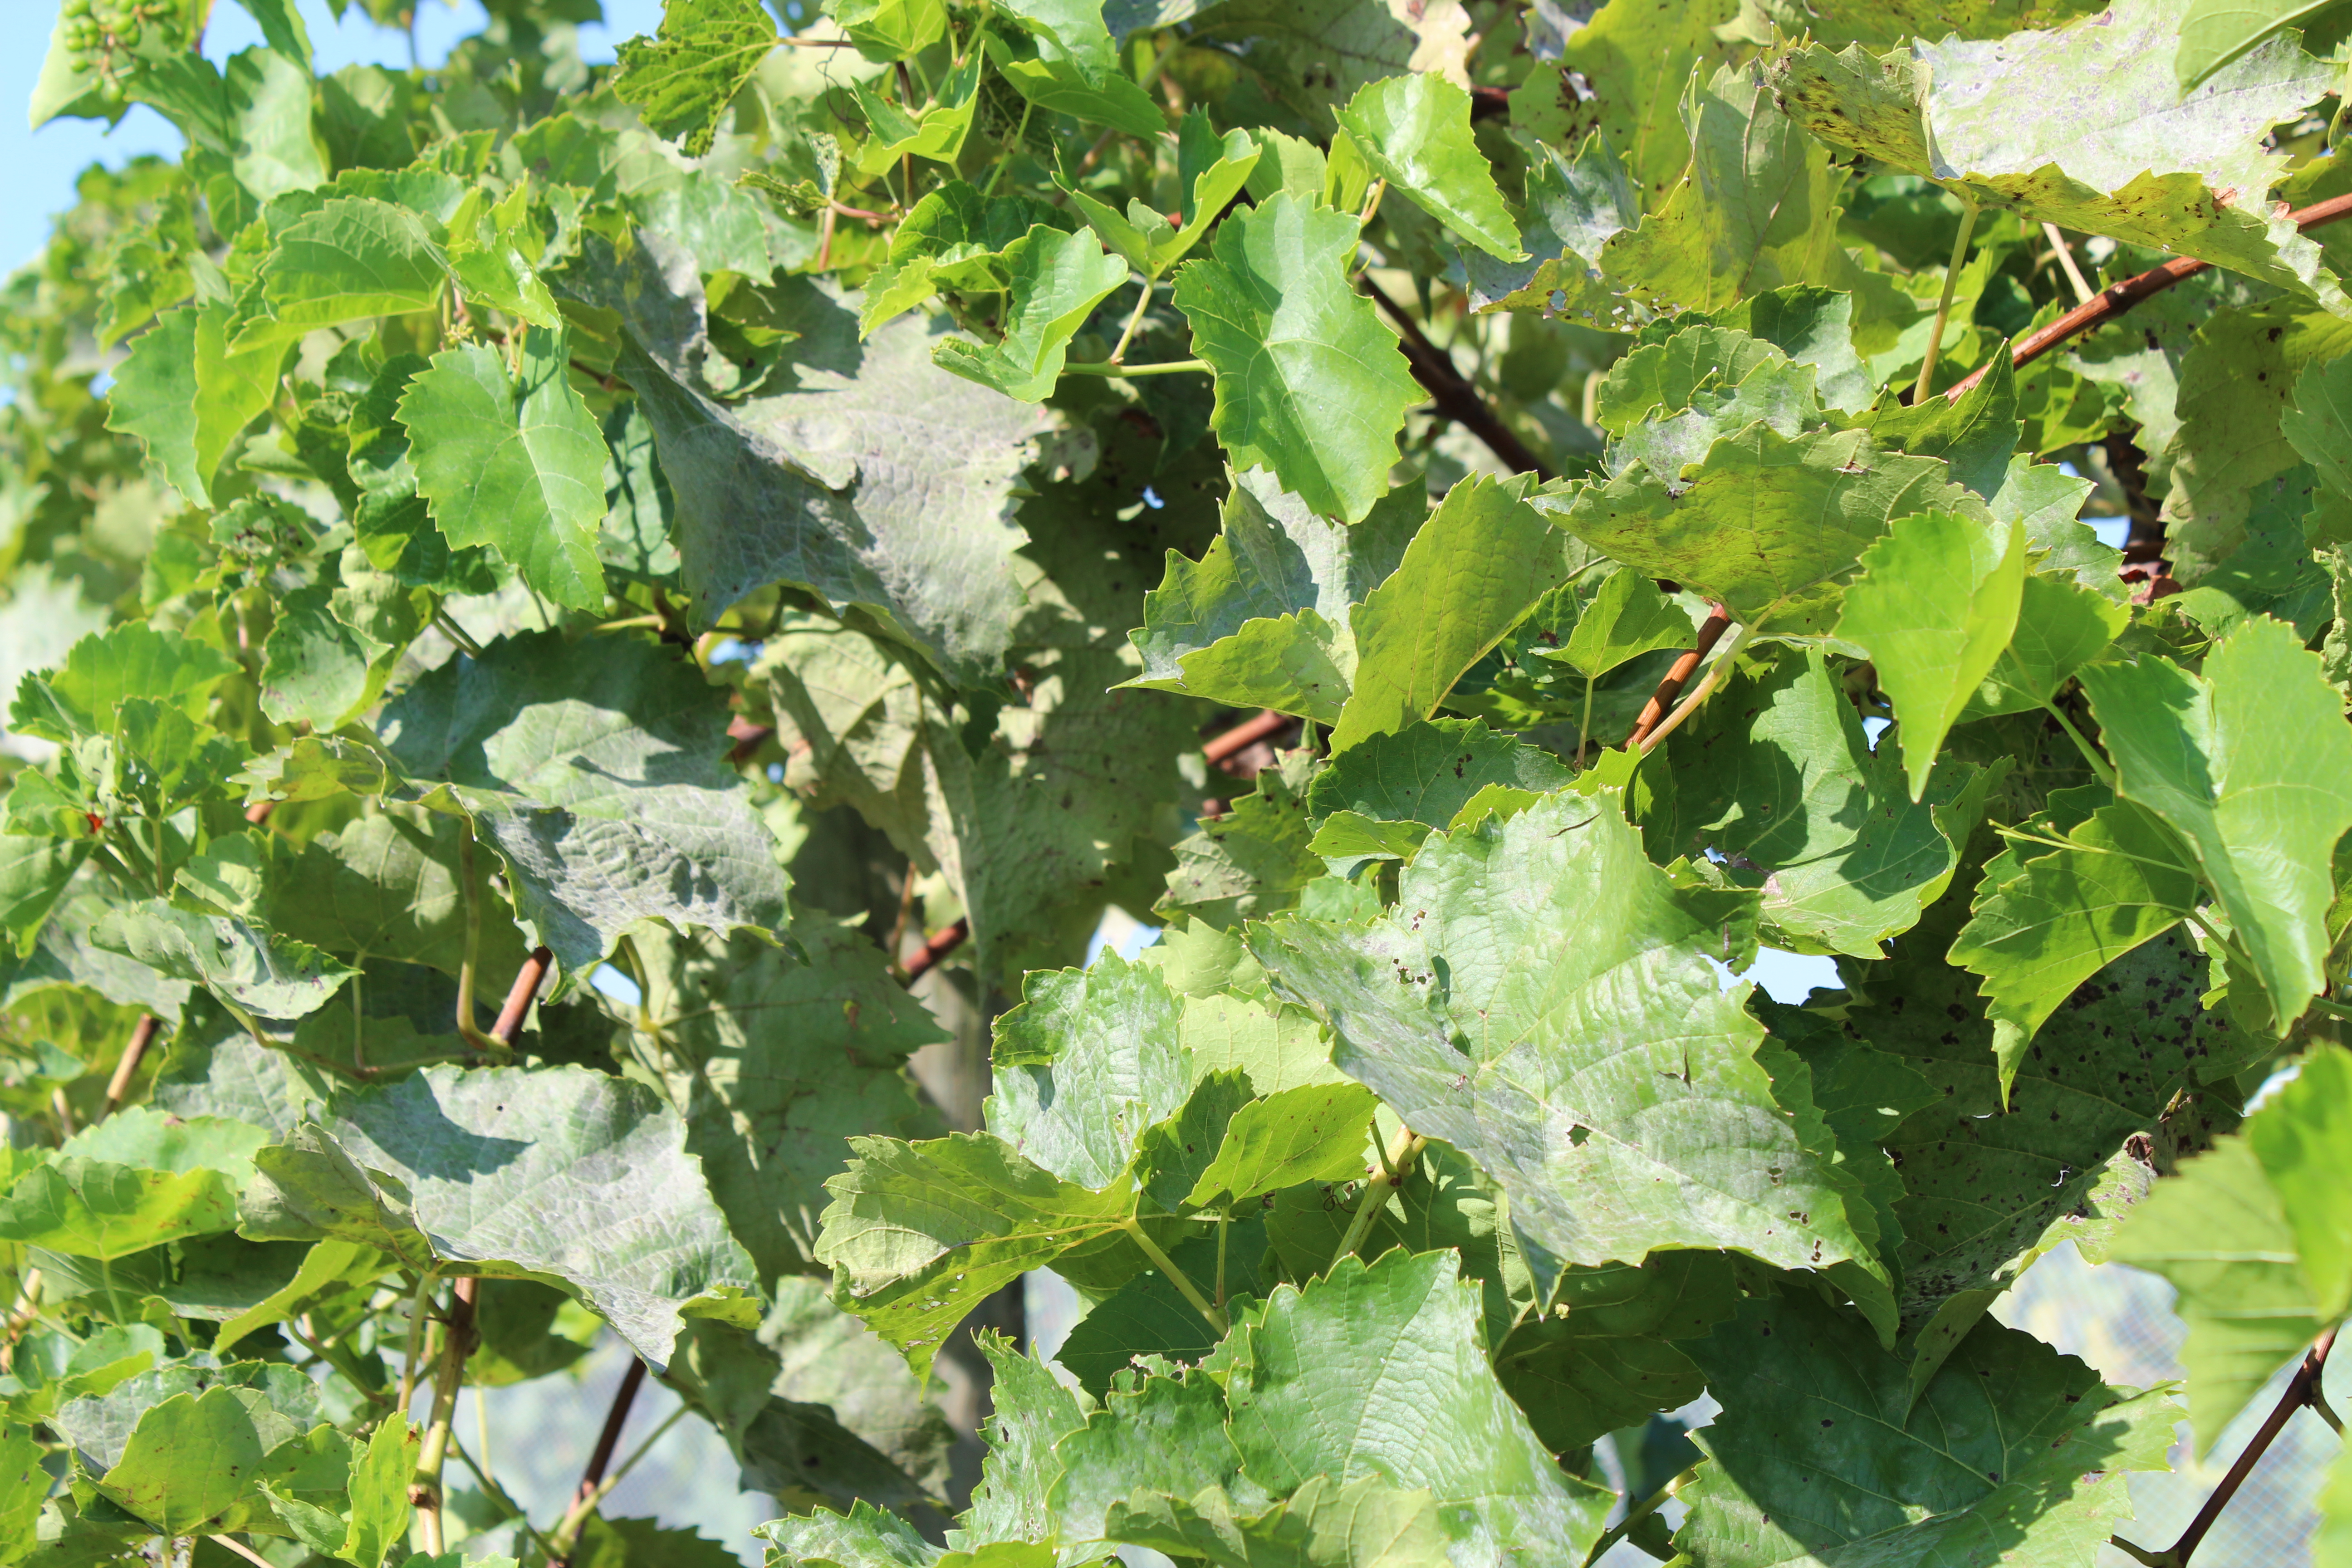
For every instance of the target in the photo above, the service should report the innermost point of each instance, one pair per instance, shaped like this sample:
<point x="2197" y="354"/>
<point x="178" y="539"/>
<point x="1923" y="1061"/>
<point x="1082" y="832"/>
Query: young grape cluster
<point x="103" y="34"/>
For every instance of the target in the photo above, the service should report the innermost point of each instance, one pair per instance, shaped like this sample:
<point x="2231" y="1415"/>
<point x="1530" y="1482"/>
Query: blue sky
<point x="42" y="164"/>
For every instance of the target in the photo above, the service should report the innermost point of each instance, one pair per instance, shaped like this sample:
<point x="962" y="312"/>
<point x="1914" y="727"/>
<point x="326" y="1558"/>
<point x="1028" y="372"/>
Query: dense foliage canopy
<point x="736" y="553"/>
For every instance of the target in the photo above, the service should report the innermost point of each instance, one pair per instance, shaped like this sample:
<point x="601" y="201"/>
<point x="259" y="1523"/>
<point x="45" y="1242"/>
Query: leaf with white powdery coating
<point x="1308" y="383"/>
<point x="558" y="1171"/>
<point x="1575" y="976"/>
<point x="2251" y="764"/>
<point x="517" y="464"/>
<point x="598" y="770"/>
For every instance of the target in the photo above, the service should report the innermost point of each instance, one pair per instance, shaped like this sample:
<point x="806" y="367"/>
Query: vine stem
<point x="1649" y="1506"/>
<point x="1396" y="1161"/>
<point x="592" y="1487"/>
<point x="2101" y="769"/>
<point x="1944" y="304"/>
<point x="1690" y="704"/>
<point x="415" y="1336"/>
<point x="118" y="1087"/>
<point x="1455" y="397"/>
<point x="1177" y="1277"/>
<point x="935" y="948"/>
<point x="2065" y="255"/>
<point x="1118" y="353"/>
<point x="2118" y="297"/>
<point x="1129" y="372"/>
<point x="2303" y="1389"/>
<point x="457" y="1344"/>
<point x="1710" y="632"/>
<point x="247" y="1552"/>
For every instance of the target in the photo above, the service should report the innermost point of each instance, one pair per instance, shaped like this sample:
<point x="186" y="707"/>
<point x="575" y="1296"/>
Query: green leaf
<point x="2215" y="32"/>
<point x="2061" y="626"/>
<point x="192" y="1458"/>
<point x="96" y="1208"/>
<point x="34" y="873"/>
<point x="1574" y="207"/>
<point x="1308" y="383"/>
<point x="1484" y="555"/>
<point x="2067" y="915"/>
<point x="23" y="1485"/>
<point x="2186" y="171"/>
<point x="2252" y="1237"/>
<point x="1076" y="69"/>
<point x="1426" y="772"/>
<point x="1935" y="607"/>
<point x="683" y="78"/>
<point x="1401" y="1337"/>
<point x="515" y="465"/>
<point x="1614" y="1355"/>
<point x="919" y="1233"/>
<point x="82" y="696"/>
<point x="1313" y="1133"/>
<point x="1315" y="55"/>
<point x="1566" y="958"/>
<point x="1367" y="1523"/>
<point x="895" y="494"/>
<point x="936" y="132"/>
<point x="1986" y="1192"/>
<point x="1762" y="517"/>
<point x="1162" y="1434"/>
<point x="1777" y="777"/>
<point x="1756" y="209"/>
<point x="2250" y="763"/>
<point x="1089" y="1059"/>
<point x="1032" y="1412"/>
<point x="1263" y="618"/>
<point x="768" y="1119"/>
<point x="349" y="260"/>
<point x="1890" y="1476"/>
<point x="892" y="29"/>
<point x="243" y="963"/>
<point x="599" y="772"/>
<point x="154" y="398"/>
<point x="1056" y="280"/>
<point x="558" y="1171"/>
<point x="1414" y="131"/>
<point x="380" y="1509"/>
<point x="1249" y="862"/>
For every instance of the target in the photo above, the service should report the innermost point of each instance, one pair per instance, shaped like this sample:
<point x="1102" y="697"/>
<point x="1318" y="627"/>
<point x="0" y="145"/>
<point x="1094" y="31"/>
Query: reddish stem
<point x="2118" y="297"/>
<point x="1662" y="701"/>
<point x="520" y="994"/>
<point x="142" y="1034"/>
<point x="1221" y="747"/>
<point x="938" y="947"/>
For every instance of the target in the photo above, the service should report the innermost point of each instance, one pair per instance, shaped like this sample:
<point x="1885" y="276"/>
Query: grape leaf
<point x="1056" y="280"/>
<point x="1427" y="772"/>
<point x="2061" y="626"/>
<point x="1087" y="1062"/>
<point x="348" y="259"/>
<point x="1756" y="210"/>
<point x="2252" y="1237"/>
<point x="237" y="959"/>
<point x="1367" y="1523"/>
<point x="2066" y="916"/>
<point x="1400" y="1336"/>
<point x="2186" y="171"/>
<point x="774" y="1056"/>
<point x="1414" y="131"/>
<point x="1483" y="557"/>
<point x="2012" y="1448"/>
<point x="560" y="1173"/>
<point x="683" y="78"/>
<point x="599" y="773"/>
<point x="98" y="1208"/>
<point x="1553" y="1004"/>
<point x="1762" y="517"/>
<point x="2248" y="763"/>
<point x="1573" y="208"/>
<point x="1264" y="617"/>
<point x="1935" y="607"/>
<point x="515" y="465"/>
<point x="917" y="1233"/>
<point x="1308" y="383"/>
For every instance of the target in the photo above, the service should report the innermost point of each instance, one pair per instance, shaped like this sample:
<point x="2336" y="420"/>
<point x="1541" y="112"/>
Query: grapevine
<point x="598" y="655"/>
